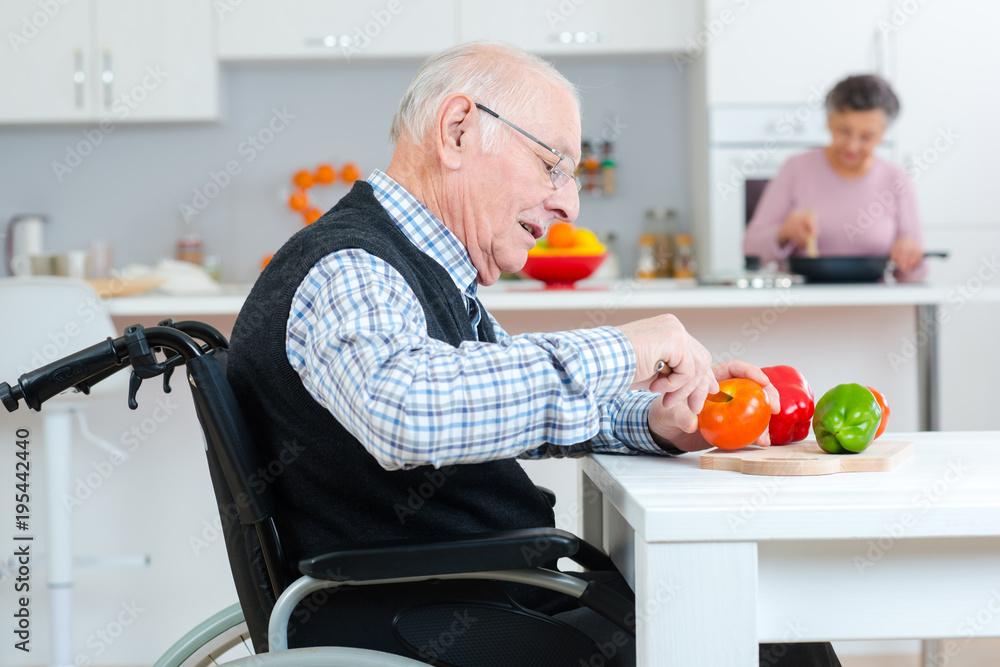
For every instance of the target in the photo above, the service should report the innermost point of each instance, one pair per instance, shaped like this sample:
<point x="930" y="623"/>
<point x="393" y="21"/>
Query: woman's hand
<point x="678" y="426"/>
<point x="906" y="253"/>
<point x="797" y="229"/>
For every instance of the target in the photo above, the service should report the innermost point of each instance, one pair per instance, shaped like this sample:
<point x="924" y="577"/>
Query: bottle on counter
<point x="189" y="248"/>
<point x="684" y="261"/>
<point x="656" y="245"/>
<point x="609" y="183"/>
<point x="610" y="268"/>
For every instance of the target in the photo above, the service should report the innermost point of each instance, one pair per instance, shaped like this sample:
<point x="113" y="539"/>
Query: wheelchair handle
<point x="89" y="366"/>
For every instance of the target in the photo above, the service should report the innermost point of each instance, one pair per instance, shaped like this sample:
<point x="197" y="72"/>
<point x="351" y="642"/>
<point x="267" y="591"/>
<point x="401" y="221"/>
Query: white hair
<point x="499" y="76"/>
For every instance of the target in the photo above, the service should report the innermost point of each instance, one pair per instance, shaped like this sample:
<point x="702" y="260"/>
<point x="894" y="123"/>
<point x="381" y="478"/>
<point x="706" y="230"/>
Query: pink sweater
<point x="860" y="216"/>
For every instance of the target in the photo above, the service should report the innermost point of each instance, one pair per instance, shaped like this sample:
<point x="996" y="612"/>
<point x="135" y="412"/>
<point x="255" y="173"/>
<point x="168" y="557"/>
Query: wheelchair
<point x="394" y="603"/>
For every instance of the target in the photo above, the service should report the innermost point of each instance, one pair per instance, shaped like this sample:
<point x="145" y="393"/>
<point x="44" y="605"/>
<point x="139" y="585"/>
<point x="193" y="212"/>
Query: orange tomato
<point x="561" y="235"/>
<point x="303" y="179"/>
<point x="882" y="403"/>
<point x="311" y="215"/>
<point x="298" y="201"/>
<point x="325" y="174"/>
<point x="736" y="416"/>
<point x="350" y="172"/>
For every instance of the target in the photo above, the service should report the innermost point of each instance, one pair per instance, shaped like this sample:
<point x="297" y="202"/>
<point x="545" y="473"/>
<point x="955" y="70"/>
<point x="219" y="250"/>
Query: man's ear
<point x="457" y="122"/>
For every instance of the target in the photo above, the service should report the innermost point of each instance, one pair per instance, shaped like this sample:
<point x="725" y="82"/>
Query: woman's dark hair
<point x="863" y="93"/>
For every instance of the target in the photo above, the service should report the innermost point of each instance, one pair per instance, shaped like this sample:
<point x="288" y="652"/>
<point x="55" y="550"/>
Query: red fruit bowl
<point x="561" y="271"/>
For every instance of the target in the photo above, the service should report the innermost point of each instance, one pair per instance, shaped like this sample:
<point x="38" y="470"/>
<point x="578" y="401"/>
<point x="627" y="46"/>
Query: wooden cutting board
<point x="806" y="458"/>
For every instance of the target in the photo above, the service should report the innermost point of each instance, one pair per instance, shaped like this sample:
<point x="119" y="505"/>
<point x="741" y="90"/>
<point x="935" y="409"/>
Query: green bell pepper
<point x="846" y="419"/>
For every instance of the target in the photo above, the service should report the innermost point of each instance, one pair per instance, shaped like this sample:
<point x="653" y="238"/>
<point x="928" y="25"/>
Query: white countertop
<point x="950" y="487"/>
<point x="624" y="295"/>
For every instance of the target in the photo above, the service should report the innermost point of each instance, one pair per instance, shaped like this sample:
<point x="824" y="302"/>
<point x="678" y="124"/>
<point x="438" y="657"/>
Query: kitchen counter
<point x="624" y="295"/>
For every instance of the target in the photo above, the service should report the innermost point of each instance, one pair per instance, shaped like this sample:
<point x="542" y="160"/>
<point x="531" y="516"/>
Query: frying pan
<point x="863" y="269"/>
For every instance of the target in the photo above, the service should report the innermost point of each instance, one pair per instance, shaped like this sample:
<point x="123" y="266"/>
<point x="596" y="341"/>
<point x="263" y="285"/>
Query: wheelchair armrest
<point x="549" y="494"/>
<point x="498" y="550"/>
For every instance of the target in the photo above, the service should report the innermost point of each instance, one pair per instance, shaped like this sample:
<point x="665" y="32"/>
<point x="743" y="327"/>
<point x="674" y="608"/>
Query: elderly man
<point x="363" y="341"/>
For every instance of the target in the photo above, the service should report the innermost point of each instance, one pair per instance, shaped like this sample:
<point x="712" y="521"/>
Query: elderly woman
<point x="843" y="199"/>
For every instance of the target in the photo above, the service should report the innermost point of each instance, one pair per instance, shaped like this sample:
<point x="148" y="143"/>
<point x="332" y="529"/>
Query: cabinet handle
<point x="580" y="37"/>
<point x="107" y="77"/>
<point x="79" y="76"/>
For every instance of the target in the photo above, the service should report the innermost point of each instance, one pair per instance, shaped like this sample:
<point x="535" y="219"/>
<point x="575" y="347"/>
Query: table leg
<point x="592" y="506"/>
<point x="927" y="367"/>
<point x="696" y="603"/>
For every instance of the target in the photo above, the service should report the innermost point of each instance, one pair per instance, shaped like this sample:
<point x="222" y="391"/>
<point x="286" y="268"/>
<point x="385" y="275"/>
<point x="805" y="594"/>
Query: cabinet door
<point x="340" y="30"/>
<point x="156" y="60"/>
<point x="45" y="66"/>
<point x="783" y="51"/>
<point x="947" y="64"/>
<point x="575" y="27"/>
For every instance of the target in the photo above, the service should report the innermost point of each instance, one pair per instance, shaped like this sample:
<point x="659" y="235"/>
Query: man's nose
<point x="564" y="203"/>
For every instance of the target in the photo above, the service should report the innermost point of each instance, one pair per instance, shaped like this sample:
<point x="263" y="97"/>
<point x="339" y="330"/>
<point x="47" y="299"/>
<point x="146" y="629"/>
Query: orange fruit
<point x="311" y="215"/>
<point x="298" y="201"/>
<point x="265" y="261"/>
<point x="350" y="172"/>
<point x="303" y="179"/>
<point x="561" y="235"/>
<point x="325" y="174"/>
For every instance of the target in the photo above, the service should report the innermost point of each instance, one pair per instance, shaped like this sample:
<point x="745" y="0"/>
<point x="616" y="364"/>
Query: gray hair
<point x="863" y="93"/>
<point x="496" y="75"/>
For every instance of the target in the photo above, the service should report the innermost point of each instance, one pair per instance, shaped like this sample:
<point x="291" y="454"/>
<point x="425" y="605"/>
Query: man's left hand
<point x="906" y="253"/>
<point x="678" y="426"/>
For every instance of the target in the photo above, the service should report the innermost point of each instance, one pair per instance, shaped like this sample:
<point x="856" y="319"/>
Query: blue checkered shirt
<point x="357" y="337"/>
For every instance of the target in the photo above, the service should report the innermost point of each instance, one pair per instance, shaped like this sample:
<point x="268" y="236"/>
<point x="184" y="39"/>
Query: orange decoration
<point x="325" y="174"/>
<point x="350" y="172"/>
<point x="303" y="179"/>
<point x="298" y="201"/>
<point x="311" y="215"/>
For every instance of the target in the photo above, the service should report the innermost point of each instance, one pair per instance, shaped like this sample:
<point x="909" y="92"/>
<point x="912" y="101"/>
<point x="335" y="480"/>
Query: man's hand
<point x="687" y="378"/>
<point x="678" y="426"/>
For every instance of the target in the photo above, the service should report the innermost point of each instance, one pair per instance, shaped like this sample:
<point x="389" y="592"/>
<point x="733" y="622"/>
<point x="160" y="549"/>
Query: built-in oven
<point x="747" y="146"/>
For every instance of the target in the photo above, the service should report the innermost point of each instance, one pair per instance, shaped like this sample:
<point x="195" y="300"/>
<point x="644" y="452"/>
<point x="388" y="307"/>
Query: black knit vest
<point x="329" y="489"/>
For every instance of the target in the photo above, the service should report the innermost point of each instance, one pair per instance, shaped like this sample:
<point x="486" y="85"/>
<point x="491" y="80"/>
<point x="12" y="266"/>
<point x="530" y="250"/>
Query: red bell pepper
<point x="797" y="405"/>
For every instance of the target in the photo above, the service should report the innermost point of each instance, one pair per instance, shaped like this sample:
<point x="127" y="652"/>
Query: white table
<point x="721" y="561"/>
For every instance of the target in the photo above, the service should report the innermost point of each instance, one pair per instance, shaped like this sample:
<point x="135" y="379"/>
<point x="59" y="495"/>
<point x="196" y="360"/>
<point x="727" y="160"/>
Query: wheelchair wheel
<point x="209" y="642"/>
<point x="216" y="640"/>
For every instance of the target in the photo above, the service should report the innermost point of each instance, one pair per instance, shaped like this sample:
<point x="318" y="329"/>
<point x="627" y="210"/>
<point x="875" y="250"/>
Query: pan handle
<point x="937" y="253"/>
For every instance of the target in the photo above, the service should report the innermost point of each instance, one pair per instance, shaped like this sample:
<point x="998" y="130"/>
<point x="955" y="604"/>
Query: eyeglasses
<point x="562" y="171"/>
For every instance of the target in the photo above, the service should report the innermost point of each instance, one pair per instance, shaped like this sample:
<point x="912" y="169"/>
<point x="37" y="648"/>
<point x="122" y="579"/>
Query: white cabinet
<point x="948" y="135"/>
<point x="582" y="27"/>
<point x="340" y="30"/>
<point x="782" y="51"/>
<point x="111" y="60"/>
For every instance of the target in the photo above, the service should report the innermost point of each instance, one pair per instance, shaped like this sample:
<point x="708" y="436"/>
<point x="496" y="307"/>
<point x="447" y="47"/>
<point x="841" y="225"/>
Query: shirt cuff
<point x="630" y="424"/>
<point x="607" y="358"/>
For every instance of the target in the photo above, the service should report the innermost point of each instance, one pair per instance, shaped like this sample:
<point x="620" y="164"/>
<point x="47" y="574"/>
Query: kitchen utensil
<point x="860" y="269"/>
<point x="812" y="244"/>
<point x="72" y="264"/>
<point x="806" y="458"/>
<point x="561" y="271"/>
<point x="25" y="237"/>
